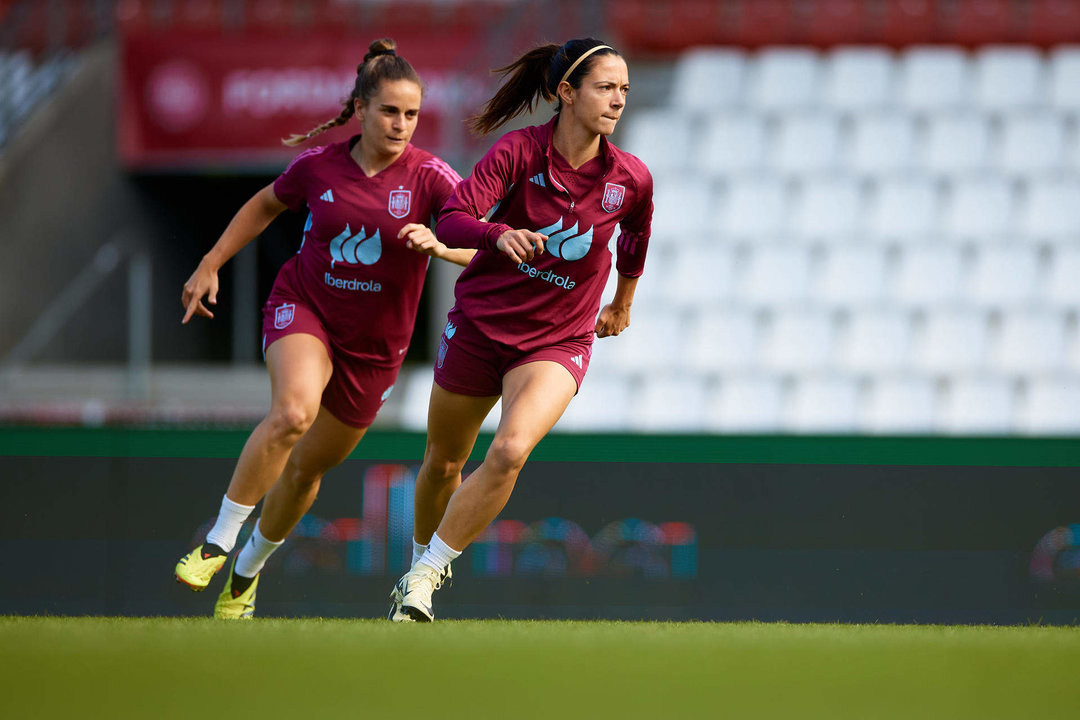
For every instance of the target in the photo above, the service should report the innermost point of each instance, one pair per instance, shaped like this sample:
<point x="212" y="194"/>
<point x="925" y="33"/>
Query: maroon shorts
<point x="357" y="389"/>
<point x="469" y="363"/>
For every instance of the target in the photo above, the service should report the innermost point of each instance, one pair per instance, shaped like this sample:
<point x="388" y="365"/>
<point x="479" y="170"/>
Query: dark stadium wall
<point x="795" y="529"/>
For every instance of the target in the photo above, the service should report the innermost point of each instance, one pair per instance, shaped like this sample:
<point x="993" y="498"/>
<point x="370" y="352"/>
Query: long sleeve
<point x="460" y="223"/>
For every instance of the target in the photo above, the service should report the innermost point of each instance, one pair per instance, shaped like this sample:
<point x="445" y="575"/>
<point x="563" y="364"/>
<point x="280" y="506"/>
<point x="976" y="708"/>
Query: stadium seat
<point x="784" y="79"/>
<point x="823" y="405"/>
<point x="1032" y="142"/>
<point x="979" y="209"/>
<point x="859" y="78"/>
<point x="415" y="396"/>
<point x="882" y="142"/>
<point x="733" y="142"/>
<point x="798" y="340"/>
<point x="682" y="206"/>
<point x="1051" y="406"/>
<point x="1004" y="276"/>
<point x="774" y="275"/>
<point x="982" y="406"/>
<point x="956" y="143"/>
<point x="709" y="79"/>
<point x="852" y="276"/>
<point x="669" y="404"/>
<point x="1062" y="288"/>
<point x="903" y="208"/>
<point x="754" y="207"/>
<point x="722" y="339"/>
<point x="806" y="143"/>
<point x="602" y="404"/>
<point x="977" y="22"/>
<point x="934" y="78"/>
<point x="901" y="405"/>
<point x="654" y="343"/>
<point x="746" y="404"/>
<point x="831" y="22"/>
<point x="828" y="208"/>
<point x="1052" y="22"/>
<point x="701" y="275"/>
<point x="1029" y="342"/>
<point x="874" y="340"/>
<point x="952" y="340"/>
<point x="1065" y="76"/>
<point x="1050" y="209"/>
<point x="661" y="137"/>
<point x="1008" y="78"/>
<point x="929" y="275"/>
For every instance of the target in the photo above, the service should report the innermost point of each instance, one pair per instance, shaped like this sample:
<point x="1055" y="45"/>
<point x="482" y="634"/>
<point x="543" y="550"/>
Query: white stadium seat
<point x="957" y="143"/>
<point x="733" y="142"/>
<point x="1004" y="276"/>
<point x="708" y="79"/>
<point x="856" y="78"/>
<point x="799" y="340"/>
<point x="902" y="405"/>
<point x="952" y="341"/>
<point x="852" y="275"/>
<point x="1030" y="342"/>
<point x="746" y="404"/>
<point x="670" y="404"/>
<point x="828" y="209"/>
<point x="784" y="78"/>
<point x="682" y="207"/>
<point x="774" y="275"/>
<point x="1065" y="78"/>
<point x="1008" y="77"/>
<point x="660" y="137"/>
<point x="1052" y="406"/>
<point x="980" y="209"/>
<point x="1050" y="209"/>
<point x="1032" y="143"/>
<point x="701" y="275"/>
<point x="876" y="340"/>
<point x="602" y="404"/>
<point x="415" y="396"/>
<point x="823" y="405"/>
<point x="882" y="142"/>
<point x="753" y="207"/>
<point x="1063" y="287"/>
<point x="722" y="339"/>
<point x="806" y="143"/>
<point x="979" y="406"/>
<point x="903" y="208"/>
<point x="929" y="275"/>
<point x="932" y="78"/>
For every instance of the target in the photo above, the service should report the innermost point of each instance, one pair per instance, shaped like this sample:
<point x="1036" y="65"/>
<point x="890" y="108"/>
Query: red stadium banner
<point x="205" y="101"/>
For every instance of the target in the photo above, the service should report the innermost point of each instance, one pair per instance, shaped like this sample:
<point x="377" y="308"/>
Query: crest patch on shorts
<point x="283" y="316"/>
<point x="443" y="347"/>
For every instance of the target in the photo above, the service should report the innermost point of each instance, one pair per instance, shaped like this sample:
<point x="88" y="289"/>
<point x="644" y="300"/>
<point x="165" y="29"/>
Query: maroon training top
<point x="556" y="296"/>
<point x="356" y="274"/>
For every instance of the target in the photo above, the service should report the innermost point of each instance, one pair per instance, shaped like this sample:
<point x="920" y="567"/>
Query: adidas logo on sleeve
<point x="327" y="196"/>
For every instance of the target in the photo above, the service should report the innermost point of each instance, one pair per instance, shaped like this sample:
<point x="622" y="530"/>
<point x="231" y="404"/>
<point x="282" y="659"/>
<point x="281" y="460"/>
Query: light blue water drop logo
<point x="355" y="249"/>
<point x="567" y="244"/>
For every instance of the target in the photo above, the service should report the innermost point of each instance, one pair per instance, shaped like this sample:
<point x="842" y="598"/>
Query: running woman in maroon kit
<point x="340" y="315"/>
<point x="526" y="306"/>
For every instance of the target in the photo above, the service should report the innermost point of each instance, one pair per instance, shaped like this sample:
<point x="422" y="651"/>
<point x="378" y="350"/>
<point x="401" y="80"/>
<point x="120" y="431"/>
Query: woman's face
<point x="599" y="102"/>
<point x="388" y="120"/>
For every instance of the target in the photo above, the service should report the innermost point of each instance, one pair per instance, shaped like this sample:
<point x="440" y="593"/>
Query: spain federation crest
<point x="400" y="200"/>
<point x="613" y="197"/>
<point x="283" y="316"/>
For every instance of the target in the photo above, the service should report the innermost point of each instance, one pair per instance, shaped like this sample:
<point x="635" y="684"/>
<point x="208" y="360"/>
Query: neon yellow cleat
<point x="230" y="606"/>
<point x="197" y="568"/>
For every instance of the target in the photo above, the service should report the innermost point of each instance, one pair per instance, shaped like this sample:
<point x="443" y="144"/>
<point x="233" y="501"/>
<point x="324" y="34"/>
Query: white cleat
<point x="411" y="597"/>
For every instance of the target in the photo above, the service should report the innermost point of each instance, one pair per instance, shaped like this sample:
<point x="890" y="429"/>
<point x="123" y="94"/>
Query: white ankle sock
<point x="417" y="551"/>
<point x="229" y="521"/>
<point x="438" y="554"/>
<point x="252" y="558"/>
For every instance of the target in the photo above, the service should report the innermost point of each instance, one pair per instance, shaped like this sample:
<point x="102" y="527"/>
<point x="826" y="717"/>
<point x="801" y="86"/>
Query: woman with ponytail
<point x="528" y="306"/>
<point x="340" y="315"/>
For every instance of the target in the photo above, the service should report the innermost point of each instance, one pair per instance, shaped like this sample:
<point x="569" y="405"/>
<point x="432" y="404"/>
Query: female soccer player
<point x="526" y="307"/>
<point x="339" y="317"/>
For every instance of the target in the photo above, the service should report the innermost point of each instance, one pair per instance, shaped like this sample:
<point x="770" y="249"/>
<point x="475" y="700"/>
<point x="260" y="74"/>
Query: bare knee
<point x="289" y="421"/>
<point x="441" y="468"/>
<point x="508" y="454"/>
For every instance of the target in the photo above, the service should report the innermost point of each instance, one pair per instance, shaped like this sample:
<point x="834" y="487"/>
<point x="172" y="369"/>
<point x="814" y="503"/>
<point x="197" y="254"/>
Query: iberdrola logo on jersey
<point x="567" y="244"/>
<point x="355" y="249"/>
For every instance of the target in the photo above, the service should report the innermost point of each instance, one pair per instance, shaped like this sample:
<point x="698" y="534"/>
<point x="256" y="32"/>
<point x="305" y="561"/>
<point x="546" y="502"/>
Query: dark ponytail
<point x="380" y="63"/>
<point x="534" y="75"/>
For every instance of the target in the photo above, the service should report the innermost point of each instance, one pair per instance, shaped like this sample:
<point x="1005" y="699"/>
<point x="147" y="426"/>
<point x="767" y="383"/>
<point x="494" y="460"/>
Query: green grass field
<point x="165" y="668"/>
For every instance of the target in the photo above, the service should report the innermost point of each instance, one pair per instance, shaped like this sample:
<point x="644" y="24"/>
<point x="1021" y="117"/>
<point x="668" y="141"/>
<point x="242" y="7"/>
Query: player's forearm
<point x="624" y="292"/>
<point x="458" y="229"/>
<point x="250" y="220"/>
<point x="458" y="256"/>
